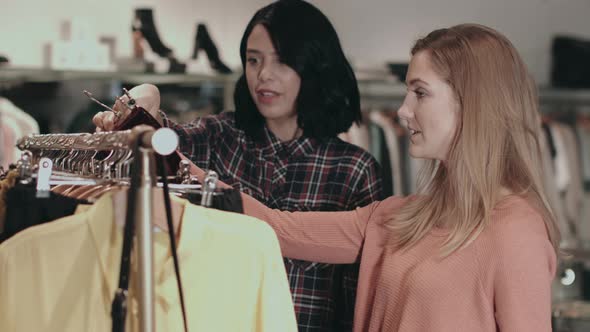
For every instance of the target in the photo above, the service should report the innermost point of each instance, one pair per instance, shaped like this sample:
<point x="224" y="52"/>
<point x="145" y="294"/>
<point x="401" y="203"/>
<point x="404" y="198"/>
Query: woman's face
<point x="273" y="85"/>
<point x="430" y="110"/>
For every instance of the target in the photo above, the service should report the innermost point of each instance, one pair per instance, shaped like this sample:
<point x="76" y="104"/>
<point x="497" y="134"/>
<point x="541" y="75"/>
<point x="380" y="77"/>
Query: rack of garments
<point x="566" y="117"/>
<point x="387" y="140"/>
<point x="62" y="275"/>
<point x="567" y="154"/>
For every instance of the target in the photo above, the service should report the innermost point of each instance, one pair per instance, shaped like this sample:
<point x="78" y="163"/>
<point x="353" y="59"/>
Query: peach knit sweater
<point x="500" y="282"/>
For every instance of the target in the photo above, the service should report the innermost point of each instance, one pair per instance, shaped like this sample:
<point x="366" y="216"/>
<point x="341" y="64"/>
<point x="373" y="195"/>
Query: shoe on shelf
<point x="144" y="23"/>
<point x="147" y="44"/>
<point x="204" y="42"/>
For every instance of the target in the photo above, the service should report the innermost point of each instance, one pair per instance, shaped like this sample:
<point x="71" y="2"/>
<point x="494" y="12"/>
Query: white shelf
<point x="22" y="75"/>
<point x="376" y="92"/>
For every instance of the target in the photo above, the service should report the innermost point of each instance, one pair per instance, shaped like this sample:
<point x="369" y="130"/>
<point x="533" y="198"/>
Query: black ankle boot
<point x="196" y="46"/>
<point x="204" y="42"/>
<point x="176" y="67"/>
<point x="144" y="22"/>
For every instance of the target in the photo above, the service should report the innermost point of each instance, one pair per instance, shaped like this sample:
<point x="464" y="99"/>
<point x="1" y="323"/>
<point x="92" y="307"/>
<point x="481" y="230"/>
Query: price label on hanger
<point x="43" y="176"/>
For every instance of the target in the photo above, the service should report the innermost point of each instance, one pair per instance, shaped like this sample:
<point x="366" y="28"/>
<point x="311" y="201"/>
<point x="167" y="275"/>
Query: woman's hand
<point x="146" y="96"/>
<point x="107" y="120"/>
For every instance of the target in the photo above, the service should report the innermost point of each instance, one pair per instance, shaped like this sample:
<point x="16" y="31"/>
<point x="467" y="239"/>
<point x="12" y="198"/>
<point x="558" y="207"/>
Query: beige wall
<point x="372" y="31"/>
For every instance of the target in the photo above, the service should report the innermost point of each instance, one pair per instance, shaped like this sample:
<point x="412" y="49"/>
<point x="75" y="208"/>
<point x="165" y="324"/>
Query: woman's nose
<point x="265" y="73"/>
<point x="404" y="112"/>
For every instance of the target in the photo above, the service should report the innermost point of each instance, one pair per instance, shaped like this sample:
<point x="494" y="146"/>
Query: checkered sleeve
<point x="196" y="138"/>
<point x="369" y="189"/>
<point x="370" y="186"/>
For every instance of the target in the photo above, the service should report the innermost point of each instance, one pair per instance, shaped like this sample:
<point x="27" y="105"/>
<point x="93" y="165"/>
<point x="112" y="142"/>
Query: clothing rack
<point x="114" y="140"/>
<point x="104" y="155"/>
<point x="145" y="141"/>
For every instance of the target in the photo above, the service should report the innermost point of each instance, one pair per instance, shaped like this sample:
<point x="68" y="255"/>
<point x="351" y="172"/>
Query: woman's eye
<point x="252" y="61"/>
<point x="419" y="93"/>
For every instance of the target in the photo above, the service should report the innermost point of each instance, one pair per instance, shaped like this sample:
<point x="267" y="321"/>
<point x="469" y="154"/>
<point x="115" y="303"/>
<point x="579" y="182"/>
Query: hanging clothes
<point x="14" y="124"/>
<point x="10" y="132"/>
<point x="24" y="209"/>
<point x="26" y="123"/>
<point x="391" y="140"/>
<point x="550" y="141"/>
<point x="376" y="142"/>
<point x="8" y="182"/>
<point x="3" y="138"/>
<point x="230" y="200"/>
<point x="574" y="192"/>
<point x="379" y="150"/>
<point x="562" y="171"/>
<point x="359" y="136"/>
<point x="61" y="276"/>
<point x="583" y="132"/>
<point x="553" y="195"/>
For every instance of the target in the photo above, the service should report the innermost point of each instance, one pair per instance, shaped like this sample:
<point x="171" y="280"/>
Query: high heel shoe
<point x="144" y="23"/>
<point x="204" y="42"/>
<point x="144" y="31"/>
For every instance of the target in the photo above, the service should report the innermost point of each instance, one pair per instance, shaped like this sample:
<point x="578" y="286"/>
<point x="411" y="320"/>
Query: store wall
<point x="372" y="31"/>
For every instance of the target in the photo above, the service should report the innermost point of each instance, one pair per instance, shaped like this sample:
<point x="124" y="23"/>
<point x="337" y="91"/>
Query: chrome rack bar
<point x="110" y="140"/>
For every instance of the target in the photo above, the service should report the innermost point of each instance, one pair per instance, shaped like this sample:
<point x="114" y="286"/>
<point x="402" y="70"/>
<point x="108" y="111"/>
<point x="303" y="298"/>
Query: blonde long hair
<point x="496" y="142"/>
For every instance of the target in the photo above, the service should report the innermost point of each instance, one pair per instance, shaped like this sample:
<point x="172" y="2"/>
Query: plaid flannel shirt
<point x="301" y="175"/>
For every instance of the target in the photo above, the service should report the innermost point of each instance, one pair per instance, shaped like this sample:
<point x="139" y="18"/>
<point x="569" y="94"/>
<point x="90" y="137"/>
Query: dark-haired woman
<point x="297" y="93"/>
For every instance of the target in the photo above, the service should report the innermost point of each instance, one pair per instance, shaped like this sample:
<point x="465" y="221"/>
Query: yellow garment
<point x="61" y="276"/>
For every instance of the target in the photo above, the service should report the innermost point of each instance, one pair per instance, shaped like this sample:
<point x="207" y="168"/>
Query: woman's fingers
<point x="105" y="120"/>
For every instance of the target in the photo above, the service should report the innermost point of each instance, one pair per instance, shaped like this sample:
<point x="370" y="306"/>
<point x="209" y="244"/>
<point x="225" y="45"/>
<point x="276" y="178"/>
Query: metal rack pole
<point x="163" y="141"/>
<point x="143" y="224"/>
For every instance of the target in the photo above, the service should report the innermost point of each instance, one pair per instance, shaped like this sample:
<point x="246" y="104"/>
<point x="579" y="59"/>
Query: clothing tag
<point x="43" y="176"/>
<point x="210" y="183"/>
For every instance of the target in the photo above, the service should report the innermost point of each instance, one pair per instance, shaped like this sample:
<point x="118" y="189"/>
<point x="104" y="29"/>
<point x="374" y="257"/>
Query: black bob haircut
<point x="328" y="102"/>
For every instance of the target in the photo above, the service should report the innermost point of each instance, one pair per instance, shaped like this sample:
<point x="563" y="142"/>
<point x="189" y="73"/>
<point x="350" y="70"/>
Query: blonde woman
<point x="477" y="249"/>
